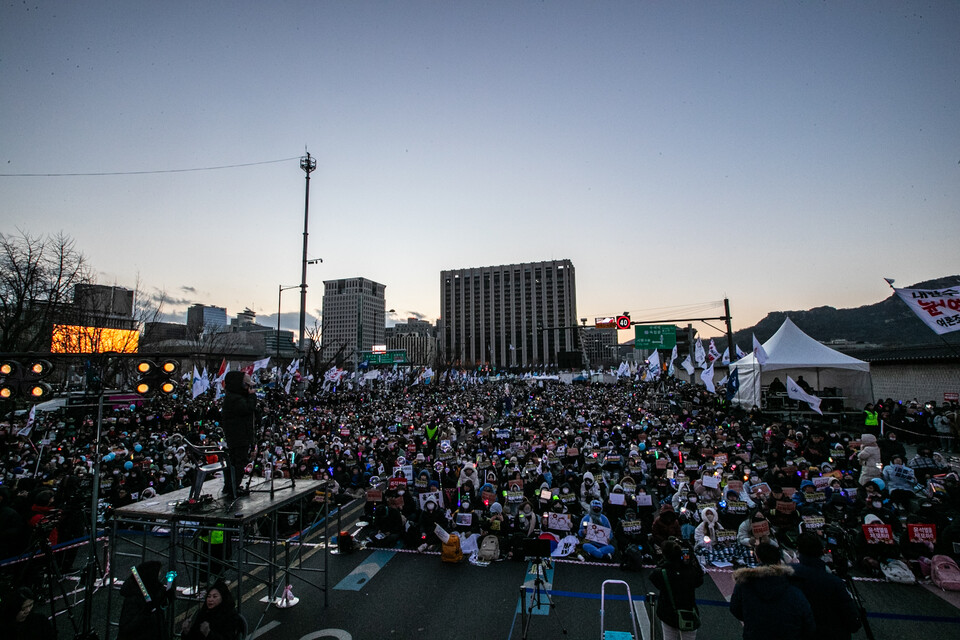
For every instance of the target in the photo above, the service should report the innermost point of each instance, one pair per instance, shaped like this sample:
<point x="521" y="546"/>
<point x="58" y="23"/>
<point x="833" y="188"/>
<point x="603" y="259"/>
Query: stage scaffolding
<point x="259" y="548"/>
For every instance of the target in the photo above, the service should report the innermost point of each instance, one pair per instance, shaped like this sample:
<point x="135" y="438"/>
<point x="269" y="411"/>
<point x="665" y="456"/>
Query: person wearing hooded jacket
<point x="869" y="458"/>
<point x="589" y="491"/>
<point x="142" y="611"/>
<point x="708" y="527"/>
<point x="217" y="618"/>
<point x="768" y="604"/>
<point x="237" y="419"/>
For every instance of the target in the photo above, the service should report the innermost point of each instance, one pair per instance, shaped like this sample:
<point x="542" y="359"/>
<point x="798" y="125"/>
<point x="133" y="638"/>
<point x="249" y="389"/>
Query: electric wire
<point x="140" y="173"/>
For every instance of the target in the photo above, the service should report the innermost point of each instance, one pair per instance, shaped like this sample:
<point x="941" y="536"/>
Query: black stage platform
<point x="171" y="507"/>
<point x="253" y="552"/>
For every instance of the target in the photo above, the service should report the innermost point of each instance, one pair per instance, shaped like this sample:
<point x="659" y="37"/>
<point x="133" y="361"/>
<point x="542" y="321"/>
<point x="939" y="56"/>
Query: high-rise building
<point x="202" y="318"/>
<point x="354" y="315"/>
<point x="416" y="337"/>
<point x="510" y="315"/>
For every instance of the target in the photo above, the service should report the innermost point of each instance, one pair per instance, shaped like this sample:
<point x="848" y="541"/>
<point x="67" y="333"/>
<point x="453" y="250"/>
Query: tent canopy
<point x="792" y="352"/>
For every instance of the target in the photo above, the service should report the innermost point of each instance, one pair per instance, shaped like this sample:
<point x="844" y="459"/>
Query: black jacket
<point x="770" y="607"/>
<point x="237" y="415"/>
<point x="834" y="610"/>
<point x="684" y="578"/>
<point x="139" y="619"/>
<point x="223" y="619"/>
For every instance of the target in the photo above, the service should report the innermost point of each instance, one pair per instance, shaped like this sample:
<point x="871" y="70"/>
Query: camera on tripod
<point x="837" y="550"/>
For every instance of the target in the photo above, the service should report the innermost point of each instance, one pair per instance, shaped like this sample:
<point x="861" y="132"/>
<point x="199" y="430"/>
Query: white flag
<point x="261" y="364"/>
<point x="794" y="391"/>
<point x="712" y="352"/>
<point x="687" y="365"/>
<point x="759" y="352"/>
<point x="739" y="351"/>
<point x="653" y="365"/>
<point x="938" y="308"/>
<point x="197" y="382"/>
<point x="673" y="357"/>
<point x="707" y="376"/>
<point x="699" y="355"/>
<point x="725" y="358"/>
<point x="29" y="426"/>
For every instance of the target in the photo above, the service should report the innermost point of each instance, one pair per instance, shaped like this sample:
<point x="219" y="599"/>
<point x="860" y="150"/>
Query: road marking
<point x="529" y="585"/>
<point x="725" y="584"/>
<point x="360" y="576"/>
<point x="265" y="628"/>
<point x="643" y="620"/>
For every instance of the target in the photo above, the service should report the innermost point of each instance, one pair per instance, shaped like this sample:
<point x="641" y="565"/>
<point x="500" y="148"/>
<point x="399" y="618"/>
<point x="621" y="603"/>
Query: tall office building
<point x="202" y="318"/>
<point x="354" y="317"/>
<point x="513" y="315"/>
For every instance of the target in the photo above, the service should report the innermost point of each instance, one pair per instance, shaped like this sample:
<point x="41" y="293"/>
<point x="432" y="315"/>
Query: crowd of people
<point x="607" y="473"/>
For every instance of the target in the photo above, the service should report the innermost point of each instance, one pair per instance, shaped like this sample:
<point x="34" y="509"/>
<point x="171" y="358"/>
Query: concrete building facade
<point x="514" y="315"/>
<point x="354" y="318"/>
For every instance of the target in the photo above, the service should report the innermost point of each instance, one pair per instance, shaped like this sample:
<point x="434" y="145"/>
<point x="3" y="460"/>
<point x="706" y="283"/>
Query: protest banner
<point x="922" y="532"/>
<point x="878" y="533"/>
<point x="374" y="495"/>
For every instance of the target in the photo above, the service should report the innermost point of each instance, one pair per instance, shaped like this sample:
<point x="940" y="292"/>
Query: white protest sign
<point x="597" y="533"/>
<point x="559" y="521"/>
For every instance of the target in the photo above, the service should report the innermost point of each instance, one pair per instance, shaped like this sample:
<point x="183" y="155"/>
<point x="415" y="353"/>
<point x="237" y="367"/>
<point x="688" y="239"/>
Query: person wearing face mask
<point x="705" y="534"/>
<point x="600" y="547"/>
<point x="589" y="491"/>
<point x="431" y="516"/>
<point x="891" y="446"/>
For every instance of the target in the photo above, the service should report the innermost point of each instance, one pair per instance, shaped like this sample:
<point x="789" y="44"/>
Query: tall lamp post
<point x="308" y="164"/>
<point x="279" y="298"/>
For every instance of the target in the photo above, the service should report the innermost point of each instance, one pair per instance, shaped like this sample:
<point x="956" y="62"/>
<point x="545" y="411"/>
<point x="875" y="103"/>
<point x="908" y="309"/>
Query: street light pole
<point x="279" y="298"/>
<point x="308" y="164"/>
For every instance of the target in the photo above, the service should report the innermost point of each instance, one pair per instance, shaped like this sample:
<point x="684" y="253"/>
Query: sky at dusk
<point x="786" y="155"/>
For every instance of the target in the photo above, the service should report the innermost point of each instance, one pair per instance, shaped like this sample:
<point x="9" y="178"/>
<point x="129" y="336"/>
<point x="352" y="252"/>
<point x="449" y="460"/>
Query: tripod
<point x="860" y="608"/>
<point x="48" y="572"/>
<point x="540" y="595"/>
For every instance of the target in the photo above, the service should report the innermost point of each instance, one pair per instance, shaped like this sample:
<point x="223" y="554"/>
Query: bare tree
<point x="37" y="277"/>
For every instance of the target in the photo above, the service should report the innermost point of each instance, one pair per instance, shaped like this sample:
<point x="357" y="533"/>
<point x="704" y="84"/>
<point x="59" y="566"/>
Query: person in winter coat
<point x="144" y="600"/>
<point x="768" y="604"/>
<point x="666" y="525"/>
<point x="684" y="577"/>
<point x="706" y="531"/>
<point x="589" y="491"/>
<point x="217" y="618"/>
<point x="237" y="419"/>
<point x="597" y="549"/>
<point x="869" y="458"/>
<point x="20" y="621"/>
<point x="834" y="610"/>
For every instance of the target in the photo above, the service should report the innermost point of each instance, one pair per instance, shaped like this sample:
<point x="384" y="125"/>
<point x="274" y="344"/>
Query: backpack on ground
<point x="898" y="571"/>
<point x="632" y="559"/>
<point x="450" y="550"/>
<point x="945" y="573"/>
<point x="489" y="549"/>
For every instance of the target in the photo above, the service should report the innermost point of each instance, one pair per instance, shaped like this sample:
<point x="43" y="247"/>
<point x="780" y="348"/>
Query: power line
<point x="140" y="173"/>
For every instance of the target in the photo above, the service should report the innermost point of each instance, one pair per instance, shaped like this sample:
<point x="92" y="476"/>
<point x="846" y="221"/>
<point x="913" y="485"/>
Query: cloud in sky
<point x="785" y="155"/>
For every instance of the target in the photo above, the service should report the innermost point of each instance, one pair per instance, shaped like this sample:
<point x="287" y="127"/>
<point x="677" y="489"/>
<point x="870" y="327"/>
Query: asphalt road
<point x="394" y="594"/>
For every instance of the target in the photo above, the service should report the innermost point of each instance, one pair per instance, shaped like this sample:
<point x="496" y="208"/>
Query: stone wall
<point x="906" y="381"/>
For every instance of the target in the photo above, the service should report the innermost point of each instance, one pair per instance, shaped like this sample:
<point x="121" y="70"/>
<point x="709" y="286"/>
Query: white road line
<point x="262" y="630"/>
<point x="643" y="620"/>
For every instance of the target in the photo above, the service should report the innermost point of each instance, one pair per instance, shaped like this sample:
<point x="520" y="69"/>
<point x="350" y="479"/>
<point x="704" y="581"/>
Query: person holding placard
<point x="596" y="533"/>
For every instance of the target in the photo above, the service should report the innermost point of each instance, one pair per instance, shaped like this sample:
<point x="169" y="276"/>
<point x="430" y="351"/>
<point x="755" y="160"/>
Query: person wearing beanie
<point x="869" y="458"/>
<point x="767" y="603"/>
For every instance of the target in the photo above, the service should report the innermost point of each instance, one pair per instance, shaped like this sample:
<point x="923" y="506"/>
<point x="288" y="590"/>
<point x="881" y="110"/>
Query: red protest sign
<point x="786" y="506"/>
<point x="397" y="482"/>
<point x="761" y="529"/>
<point x="922" y="532"/>
<point x="878" y="533"/>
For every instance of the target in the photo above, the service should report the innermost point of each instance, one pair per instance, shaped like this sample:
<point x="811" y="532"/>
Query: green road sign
<point x="395" y="356"/>
<point x="655" y="336"/>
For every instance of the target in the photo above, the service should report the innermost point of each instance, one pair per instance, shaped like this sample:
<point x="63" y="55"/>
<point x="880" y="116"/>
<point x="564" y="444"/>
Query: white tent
<point x="791" y="352"/>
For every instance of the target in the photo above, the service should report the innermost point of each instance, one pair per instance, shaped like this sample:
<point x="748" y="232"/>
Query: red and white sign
<point x="623" y="322"/>
<point x="922" y="532"/>
<point x="878" y="533"/>
<point x="397" y="482"/>
<point x="951" y="396"/>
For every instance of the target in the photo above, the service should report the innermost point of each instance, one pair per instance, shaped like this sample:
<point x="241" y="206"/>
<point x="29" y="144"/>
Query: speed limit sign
<point x="623" y="322"/>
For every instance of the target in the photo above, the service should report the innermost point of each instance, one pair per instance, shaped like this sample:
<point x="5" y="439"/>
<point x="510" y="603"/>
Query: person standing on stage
<point x="237" y="420"/>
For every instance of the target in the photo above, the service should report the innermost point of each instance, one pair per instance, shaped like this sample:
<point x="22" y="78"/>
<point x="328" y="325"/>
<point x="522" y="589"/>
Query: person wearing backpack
<point x="834" y="610"/>
<point x="677" y="579"/>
